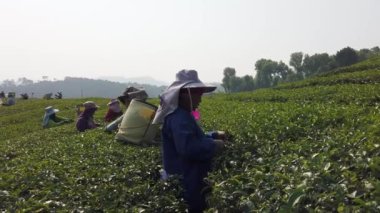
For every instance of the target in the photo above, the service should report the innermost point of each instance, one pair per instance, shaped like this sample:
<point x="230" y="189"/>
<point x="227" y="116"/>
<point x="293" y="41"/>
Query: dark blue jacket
<point x="187" y="152"/>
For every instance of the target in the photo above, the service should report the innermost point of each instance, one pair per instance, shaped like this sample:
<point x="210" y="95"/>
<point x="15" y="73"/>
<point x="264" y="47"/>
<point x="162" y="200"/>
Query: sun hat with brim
<point x="205" y="89"/>
<point x="48" y="111"/>
<point x="169" y="98"/>
<point x="191" y="76"/>
<point x="113" y="101"/>
<point x="133" y="93"/>
<point x="141" y="95"/>
<point x="90" y="105"/>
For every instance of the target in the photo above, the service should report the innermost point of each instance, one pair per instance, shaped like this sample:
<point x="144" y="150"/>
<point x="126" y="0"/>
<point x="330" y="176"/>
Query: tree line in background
<point x="72" y="87"/>
<point x="269" y="73"/>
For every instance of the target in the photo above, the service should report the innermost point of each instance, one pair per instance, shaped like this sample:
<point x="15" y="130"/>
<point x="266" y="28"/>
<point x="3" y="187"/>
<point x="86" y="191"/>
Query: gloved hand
<point x="220" y="135"/>
<point x="219" y="144"/>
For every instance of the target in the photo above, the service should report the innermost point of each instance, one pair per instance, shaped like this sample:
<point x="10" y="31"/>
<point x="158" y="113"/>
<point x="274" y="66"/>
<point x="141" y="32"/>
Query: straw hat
<point x="169" y="98"/>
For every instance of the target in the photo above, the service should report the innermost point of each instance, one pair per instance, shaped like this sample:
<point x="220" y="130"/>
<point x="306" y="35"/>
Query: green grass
<point x="305" y="146"/>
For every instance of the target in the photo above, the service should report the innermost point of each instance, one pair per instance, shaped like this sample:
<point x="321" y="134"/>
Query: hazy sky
<point x="157" y="38"/>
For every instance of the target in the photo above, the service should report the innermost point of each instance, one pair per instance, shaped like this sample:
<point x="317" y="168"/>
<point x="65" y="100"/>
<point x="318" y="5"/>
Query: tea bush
<point x="306" y="146"/>
<point x="61" y="169"/>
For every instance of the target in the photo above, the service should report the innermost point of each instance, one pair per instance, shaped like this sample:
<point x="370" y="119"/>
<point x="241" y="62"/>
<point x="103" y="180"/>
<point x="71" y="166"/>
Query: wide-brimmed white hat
<point x="50" y="110"/>
<point x="169" y="98"/>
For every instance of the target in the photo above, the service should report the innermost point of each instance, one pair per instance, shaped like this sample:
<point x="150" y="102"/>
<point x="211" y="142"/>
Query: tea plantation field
<point x="308" y="146"/>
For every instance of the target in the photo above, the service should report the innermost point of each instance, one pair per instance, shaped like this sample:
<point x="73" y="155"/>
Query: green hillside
<point x="312" y="145"/>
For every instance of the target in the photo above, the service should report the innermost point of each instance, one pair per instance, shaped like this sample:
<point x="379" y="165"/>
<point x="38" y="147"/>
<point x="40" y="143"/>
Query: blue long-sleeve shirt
<point x="187" y="152"/>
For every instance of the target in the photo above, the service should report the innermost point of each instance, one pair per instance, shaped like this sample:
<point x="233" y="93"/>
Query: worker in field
<point x="2" y="97"/>
<point x="114" y="111"/>
<point x="50" y="118"/>
<point x="129" y="94"/>
<point x="11" y="99"/>
<point x="187" y="150"/>
<point x="86" y="118"/>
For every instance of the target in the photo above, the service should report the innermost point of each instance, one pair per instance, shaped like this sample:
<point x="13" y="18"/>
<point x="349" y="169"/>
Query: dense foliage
<point x="269" y="73"/>
<point x="305" y="146"/>
<point x="62" y="169"/>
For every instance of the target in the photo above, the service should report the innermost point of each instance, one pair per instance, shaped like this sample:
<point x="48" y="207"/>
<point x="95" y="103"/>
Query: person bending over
<point x="50" y="118"/>
<point x="86" y="118"/>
